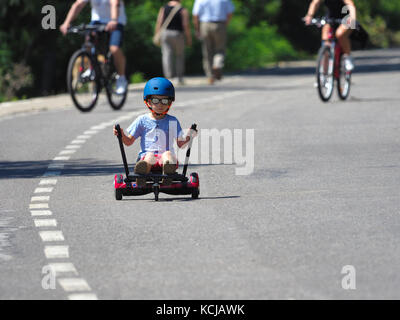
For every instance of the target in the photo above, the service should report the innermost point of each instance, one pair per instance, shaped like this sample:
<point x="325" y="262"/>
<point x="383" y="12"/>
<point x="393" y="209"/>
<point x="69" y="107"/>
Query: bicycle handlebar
<point x="82" y="28"/>
<point x="319" y="22"/>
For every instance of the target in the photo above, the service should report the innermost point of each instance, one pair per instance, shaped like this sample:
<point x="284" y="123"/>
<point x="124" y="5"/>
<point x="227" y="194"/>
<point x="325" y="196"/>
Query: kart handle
<point x="121" y="146"/>
<point x="193" y="127"/>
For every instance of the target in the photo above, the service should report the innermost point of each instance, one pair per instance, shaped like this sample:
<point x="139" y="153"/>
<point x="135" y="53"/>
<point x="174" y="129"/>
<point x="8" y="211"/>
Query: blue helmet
<point x="159" y="86"/>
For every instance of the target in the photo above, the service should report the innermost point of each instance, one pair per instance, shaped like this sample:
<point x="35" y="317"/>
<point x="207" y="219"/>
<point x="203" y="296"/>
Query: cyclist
<point x="157" y="131"/>
<point x="337" y="9"/>
<point x="111" y="13"/>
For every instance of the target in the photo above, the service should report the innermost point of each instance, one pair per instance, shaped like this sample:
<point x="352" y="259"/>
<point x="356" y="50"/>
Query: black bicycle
<point x="91" y="68"/>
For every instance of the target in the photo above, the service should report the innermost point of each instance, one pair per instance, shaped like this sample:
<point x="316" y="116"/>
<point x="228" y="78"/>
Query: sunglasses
<point x="164" y="101"/>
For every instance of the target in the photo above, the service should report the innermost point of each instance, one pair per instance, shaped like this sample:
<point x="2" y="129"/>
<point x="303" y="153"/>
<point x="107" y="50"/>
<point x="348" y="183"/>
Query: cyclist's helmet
<point x="159" y="86"/>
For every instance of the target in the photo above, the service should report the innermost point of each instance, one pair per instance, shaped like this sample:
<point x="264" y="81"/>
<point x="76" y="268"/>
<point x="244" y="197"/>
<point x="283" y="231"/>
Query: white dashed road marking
<point x="65" y="267"/>
<point x="39" y="206"/>
<point x="40" y="198"/>
<point x="36" y="213"/>
<point x="73" y="146"/>
<point x="67" y="152"/>
<point x="43" y="190"/>
<point x="56" y="252"/>
<point x="90" y="132"/>
<point x="51" y="235"/>
<point x="62" y="158"/>
<point x="82" y="296"/>
<point x="48" y="181"/>
<point x="74" y="284"/>
<point x="40" y="223"/>
<point x="56" y="166"/>
<point x="70" y="284"/>
<point x="99" y="127"/>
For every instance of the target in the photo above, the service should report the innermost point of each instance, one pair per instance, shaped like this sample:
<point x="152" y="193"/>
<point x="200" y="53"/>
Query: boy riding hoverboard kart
<point x="155" y="170"/>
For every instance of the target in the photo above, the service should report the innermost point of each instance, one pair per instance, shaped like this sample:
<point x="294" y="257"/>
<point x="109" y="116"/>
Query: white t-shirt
<point x="101" y="11"/>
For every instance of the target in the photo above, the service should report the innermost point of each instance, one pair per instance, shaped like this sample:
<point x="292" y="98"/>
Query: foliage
<point x="137" y="77"/>
<point x="255" y="47"/>
<point x="13" y="80"/>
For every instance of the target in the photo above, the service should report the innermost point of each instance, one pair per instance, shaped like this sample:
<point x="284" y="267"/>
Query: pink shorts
<point x="158" y="165"/>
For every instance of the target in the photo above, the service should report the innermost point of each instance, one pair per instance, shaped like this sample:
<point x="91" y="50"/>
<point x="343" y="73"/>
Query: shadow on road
<point x="79" y="167"/>
<point x="298" y="71"/>
<point x="183" y="198"/>
<point x="376" y="99"/>
<point x="224" y="88"/>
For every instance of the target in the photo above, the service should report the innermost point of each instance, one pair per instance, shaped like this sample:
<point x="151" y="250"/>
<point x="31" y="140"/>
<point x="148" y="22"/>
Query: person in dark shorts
<point x="111" y="13"/>
<point x="337" y="9"/>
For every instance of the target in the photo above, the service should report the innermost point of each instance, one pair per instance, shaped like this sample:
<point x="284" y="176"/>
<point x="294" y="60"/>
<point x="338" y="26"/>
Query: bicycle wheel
<point x="344" y="80"/>
<point x="116" y="100"/>
<point x="81" y="81"/>
<point x="325" y="73"/>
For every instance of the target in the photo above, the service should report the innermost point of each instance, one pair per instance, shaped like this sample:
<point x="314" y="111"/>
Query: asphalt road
<point x="323" y="194"/>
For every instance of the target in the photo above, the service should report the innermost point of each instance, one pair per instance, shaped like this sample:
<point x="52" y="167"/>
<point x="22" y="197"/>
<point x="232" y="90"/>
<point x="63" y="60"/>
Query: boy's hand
<point x="192" y="133"/>
<point x="116" y="132"/>
<point x="185" y="141"/>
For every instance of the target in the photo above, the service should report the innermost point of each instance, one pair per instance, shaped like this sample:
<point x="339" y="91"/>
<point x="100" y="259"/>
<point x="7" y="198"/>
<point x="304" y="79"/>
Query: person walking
<point x="173" y="26"/>
<point x="210" y="19"/>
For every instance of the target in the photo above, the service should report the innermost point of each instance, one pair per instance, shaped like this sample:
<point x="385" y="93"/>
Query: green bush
<point x="256" y="46"/>
<point x="137" y="77"/>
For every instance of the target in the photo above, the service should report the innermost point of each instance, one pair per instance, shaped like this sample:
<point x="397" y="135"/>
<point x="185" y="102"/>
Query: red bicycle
<point x="331" y="64"/>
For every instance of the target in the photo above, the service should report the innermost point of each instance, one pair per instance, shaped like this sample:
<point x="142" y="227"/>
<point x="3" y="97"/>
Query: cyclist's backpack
<point x="360" y="35"/>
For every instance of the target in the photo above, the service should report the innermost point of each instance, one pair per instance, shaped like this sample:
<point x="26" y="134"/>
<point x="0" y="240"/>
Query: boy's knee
<point x="168" y="156"/>
<point x="150" y="158"/>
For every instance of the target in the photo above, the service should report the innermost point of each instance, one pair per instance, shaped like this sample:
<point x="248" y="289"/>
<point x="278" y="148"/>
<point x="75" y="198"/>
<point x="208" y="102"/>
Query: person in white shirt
<point x="210" y="19"/>
<point x="111" y="13"/>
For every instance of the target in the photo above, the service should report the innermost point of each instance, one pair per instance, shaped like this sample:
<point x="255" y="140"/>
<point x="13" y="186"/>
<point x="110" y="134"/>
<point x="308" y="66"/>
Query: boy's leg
<point x="143" y="167"/>
<point x="169" y="165"/>
<point x="150" y="160"/>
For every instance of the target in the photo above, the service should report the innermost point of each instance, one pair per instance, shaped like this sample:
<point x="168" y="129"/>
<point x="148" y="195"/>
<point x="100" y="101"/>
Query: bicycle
<point x="89" y="71"/>
<point x="331" y="64"/>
